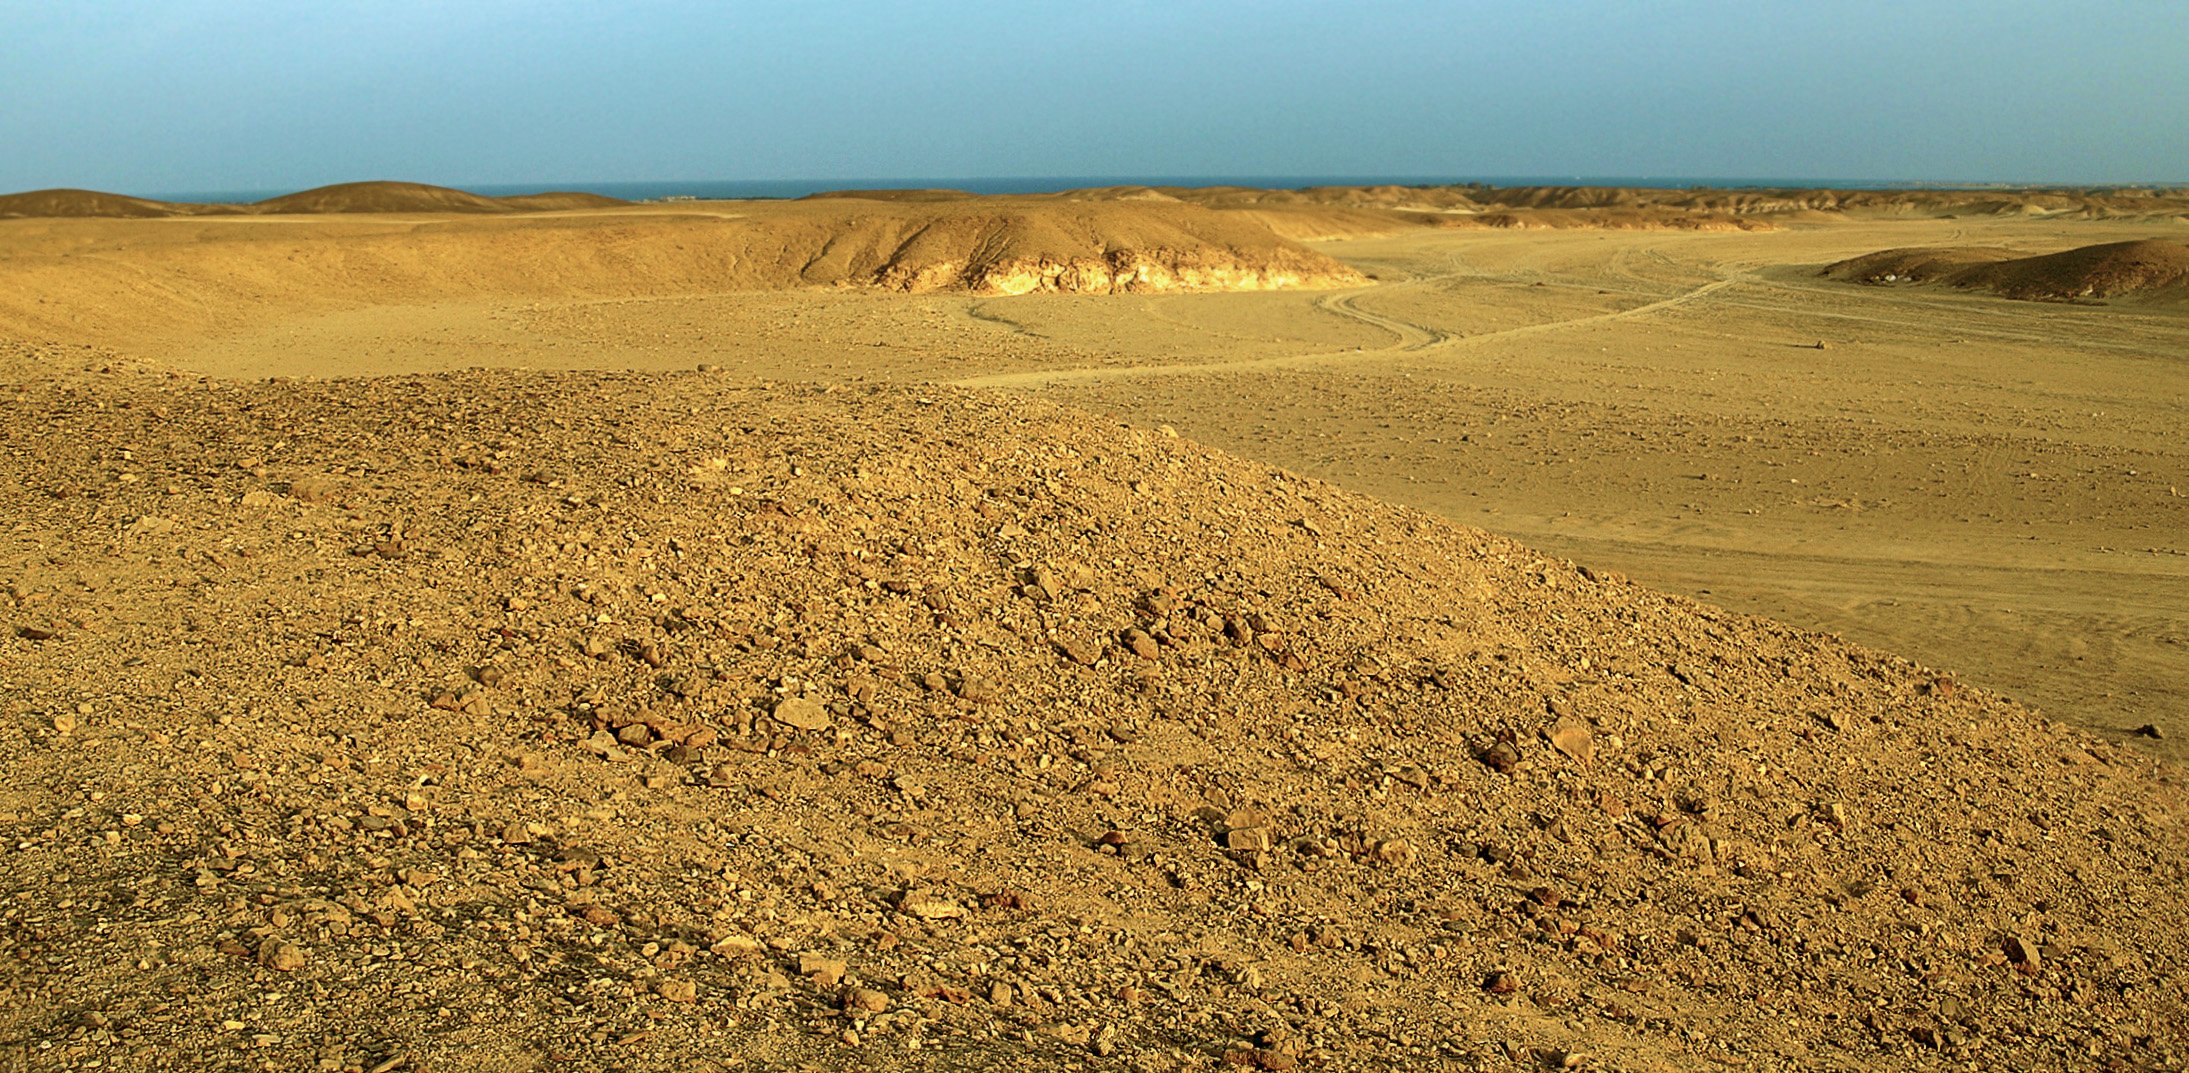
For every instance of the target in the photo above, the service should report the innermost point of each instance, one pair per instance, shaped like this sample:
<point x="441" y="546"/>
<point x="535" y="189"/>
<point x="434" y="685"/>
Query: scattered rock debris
<point x="796" y="773"/>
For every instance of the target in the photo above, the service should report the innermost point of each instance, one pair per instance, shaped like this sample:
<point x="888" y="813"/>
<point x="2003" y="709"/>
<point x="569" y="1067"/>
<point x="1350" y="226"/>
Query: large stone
<point x="1572" y="737"/>
<point x="928" y="905"/>
<point x="801" y="713"/>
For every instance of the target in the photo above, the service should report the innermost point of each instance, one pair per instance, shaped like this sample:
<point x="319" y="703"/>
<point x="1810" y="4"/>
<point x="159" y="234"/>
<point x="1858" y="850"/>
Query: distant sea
<point x="747" y="189"/>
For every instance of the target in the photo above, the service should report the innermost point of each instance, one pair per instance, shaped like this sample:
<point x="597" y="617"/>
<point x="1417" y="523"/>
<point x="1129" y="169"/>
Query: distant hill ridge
<point x="1361" y="207"/>
<point x="70" y="202"/>
<point x="360" y="197"/>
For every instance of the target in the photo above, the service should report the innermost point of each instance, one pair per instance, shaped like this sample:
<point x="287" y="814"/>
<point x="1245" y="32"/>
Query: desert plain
<point x="1153" y="629"/>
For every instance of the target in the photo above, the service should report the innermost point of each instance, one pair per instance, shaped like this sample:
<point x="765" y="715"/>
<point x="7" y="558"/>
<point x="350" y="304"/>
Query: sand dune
<point x="2147" y="269"/>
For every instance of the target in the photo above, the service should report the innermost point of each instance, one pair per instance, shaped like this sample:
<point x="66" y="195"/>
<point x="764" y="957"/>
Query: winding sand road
<point x="1408" y="338"/>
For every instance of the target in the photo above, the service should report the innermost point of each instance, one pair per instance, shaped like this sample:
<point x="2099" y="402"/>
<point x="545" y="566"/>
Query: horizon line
<point x="1061" y="182"/>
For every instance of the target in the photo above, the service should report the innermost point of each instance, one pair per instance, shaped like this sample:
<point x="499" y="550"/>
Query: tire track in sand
<point x="1409" y="338"/>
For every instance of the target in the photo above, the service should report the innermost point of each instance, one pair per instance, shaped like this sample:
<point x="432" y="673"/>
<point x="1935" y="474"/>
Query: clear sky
<point x="187" y="95"/>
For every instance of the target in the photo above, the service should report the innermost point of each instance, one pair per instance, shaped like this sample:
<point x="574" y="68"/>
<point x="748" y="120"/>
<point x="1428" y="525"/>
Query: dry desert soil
<point x="1145" y="629"/>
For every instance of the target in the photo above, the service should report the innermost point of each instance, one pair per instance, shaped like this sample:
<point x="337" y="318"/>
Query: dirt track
<point x="1992" y="486"/>
<point x="2024" y="526"/>
<point x="1411" y="339"/>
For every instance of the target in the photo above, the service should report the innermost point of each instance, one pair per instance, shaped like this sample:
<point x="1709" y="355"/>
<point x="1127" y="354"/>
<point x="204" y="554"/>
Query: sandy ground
<point x="1992" y="487"/>
<point x="765" y="681"/>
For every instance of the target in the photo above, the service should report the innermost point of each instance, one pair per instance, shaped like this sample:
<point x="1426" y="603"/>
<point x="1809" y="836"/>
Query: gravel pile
<point x="501" y="721"/>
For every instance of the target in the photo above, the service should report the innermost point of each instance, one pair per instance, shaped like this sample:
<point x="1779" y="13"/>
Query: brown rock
<point x="1393" y="851"/>
<point x="1041" y="584"/>
<point x="1008" y="899"/>
<point x="822" y="969"/>
<point x="281" y="955"/>
<point x="1081" y="652"/>
<point x="801" y="713"/>
<point x="677" y="990"/>
<point x="1501" y="756"/>
<point x="1572" y="737"/>
<point x="927" y="905"/>
<point x="974" y="688"/>
<point x="314" y="490"/>
<point x="736" y="946"/>
<point x="2025" y="954"/>
<point x="865" y="999"/>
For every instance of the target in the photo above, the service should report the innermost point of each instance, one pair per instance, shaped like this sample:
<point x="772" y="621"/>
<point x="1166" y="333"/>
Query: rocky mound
<point x="43" y="203"/>
<point x="2143" y="269"/>
<point x="677" y="723"/>
<point x="1118" y="247"/>
<point x="1913" y="264"/>
<point x="381" y="197"/>
<point x="987" y="246"/>
<point x="2150" y="269"/>
<point x="561" y="201"/>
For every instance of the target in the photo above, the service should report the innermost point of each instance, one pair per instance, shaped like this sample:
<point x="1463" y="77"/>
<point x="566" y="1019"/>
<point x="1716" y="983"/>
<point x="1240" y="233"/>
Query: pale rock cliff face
<point x="1118" y="272"/>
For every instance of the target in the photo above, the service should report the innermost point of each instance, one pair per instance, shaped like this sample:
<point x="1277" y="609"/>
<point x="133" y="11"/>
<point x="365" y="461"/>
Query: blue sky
<point x="197" y="95"/>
